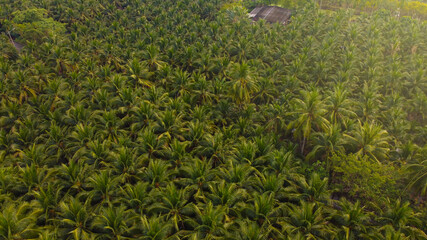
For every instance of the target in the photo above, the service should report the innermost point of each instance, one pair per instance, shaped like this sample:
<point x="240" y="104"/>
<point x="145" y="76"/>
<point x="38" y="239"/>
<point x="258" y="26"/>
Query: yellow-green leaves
<point x="34" y="25"/>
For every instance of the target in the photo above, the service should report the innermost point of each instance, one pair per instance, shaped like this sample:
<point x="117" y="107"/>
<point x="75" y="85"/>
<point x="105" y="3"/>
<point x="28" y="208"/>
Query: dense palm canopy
<point x="186" y="120"/>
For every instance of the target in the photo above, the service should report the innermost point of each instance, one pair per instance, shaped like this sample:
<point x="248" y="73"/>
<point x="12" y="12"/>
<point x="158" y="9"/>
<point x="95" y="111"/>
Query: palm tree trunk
<point x="303" y="145"/>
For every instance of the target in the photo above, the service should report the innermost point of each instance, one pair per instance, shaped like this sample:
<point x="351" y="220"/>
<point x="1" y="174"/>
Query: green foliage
<point x="416" y="9"/>
<point x="17" y="222"/>
<point x="153" y="119"/>
<point x="417" y="172"/>
<point x="365" y="179"/>
<point x="370" y="140"/>
<point x="8" y="51"/>
<point x="34" y="25"/>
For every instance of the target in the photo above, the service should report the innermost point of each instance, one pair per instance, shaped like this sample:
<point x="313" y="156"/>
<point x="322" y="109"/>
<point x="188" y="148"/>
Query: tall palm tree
<point x="351" y="218"/>
<point x="154" y="228"/>
<point x="243" y="83"/>
<point x="418" y="174"/>
<point x="48" y="199"/>
<point x="313" y="190"/>
<point x="135" y="196"/>
<point x="398" y="213"/>
<point x="209" y="221"/>
<point x="18" y="221"/>
<point x="369" y="102"/>
<point x="113" y="222"/>
<point x="307" y="220"/>
<point x="371" y="140"/>
<point x="263" y="208"/>
<point x="196" y="175"/>
<point x="75" y="219"/>
<point x="228" y="195"/>
<point x="310" y="111"/>
<point x="102" y="187"/>
<point x="249" y="230"/>
<point x="325" y="145"/>
<point x="149" y="142"/>
<point x="402" y="217"/>
<point x="151" y="54"/>
<point x="157" y="173"/>
<point x="139" y="72"/>
<point x="339" y="105"/>
<point x="174" y="204"/>
<point x="126" y="163"/>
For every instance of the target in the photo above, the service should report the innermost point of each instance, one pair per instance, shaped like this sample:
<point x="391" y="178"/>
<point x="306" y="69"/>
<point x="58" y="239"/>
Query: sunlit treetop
<point x="34" y="25"/>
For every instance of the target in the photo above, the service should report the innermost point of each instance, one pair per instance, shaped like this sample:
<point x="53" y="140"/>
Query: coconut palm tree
<point x="402" y="217"/>
<point x="139" y="72"/>
<point x="339" y="105"/>
<point x="157" y="173"/>
<point x="126" y="163"/>
<point x="149" y="142"/>
<point x="151" y="54"/>
<point x="325" y="145"/>
<point x="186" y="120"/>
<point x="262" y="208"/>
<point x="369" y="139"/>
<point x="18" y="221"/>
<point x="75" y="219"/>
<point x="102" y="187"/>
<point x="243" y="83"/>
<point x="48" y="200"/>
<point x="351" y="218"/>
<point x="418" y="173"/>
<point x="398" y="214"/>
<point x="313" y="190"/>
<point x="228" y="195"/>
<point x="310" y="111"/>
<point x="209" y="221"/>
<point x="307" y="220"/>
<point x="173" y="204"/>
<point x="113" y="222"/>
<point x="249" y="230"/>
<point x="196" y="176"/>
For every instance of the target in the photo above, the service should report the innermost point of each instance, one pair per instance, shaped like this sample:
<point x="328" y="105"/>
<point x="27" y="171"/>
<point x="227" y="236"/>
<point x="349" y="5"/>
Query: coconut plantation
<point x="213" y="119"/>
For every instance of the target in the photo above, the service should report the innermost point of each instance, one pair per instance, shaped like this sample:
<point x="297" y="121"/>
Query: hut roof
<point x="271" y="14"/>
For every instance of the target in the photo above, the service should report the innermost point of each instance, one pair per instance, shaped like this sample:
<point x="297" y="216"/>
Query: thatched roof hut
<point x="271" y="14"/>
